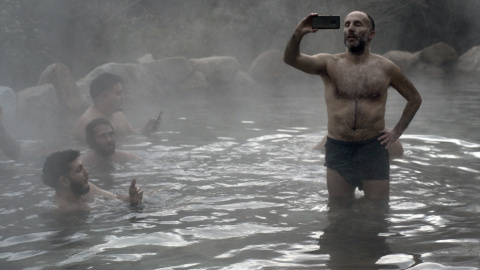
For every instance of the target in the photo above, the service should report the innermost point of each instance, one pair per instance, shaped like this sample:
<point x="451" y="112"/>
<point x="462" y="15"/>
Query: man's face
<point x="78" y="177"/>
<point x="103" y="140"/>
<point x="356" y="32"/>
<point x="115" y="97"/>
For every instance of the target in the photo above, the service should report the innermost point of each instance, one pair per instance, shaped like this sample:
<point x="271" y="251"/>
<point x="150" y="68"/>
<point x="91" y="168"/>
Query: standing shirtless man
<point x="356" y="84"/>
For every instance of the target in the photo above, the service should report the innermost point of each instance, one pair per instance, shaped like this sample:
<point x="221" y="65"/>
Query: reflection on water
<point x="242" y="189"/>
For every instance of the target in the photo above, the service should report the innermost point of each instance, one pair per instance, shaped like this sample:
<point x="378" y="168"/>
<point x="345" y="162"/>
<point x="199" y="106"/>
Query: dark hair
<point x="90" y="129"/>
<point x="56" y="165"/>
<point x="372" y="22"/>
<point x="103" y="82"/>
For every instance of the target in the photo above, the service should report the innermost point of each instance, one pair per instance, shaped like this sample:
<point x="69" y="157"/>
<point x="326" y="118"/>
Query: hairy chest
<point x="359" y="82"/>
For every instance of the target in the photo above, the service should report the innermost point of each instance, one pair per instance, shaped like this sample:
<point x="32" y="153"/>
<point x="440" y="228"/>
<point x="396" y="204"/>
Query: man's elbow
<point x="287" y="60"/>
<point x="418" y="100"/>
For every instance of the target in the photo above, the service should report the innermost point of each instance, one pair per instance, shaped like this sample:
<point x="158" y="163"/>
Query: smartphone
<point x="326" y="22"/>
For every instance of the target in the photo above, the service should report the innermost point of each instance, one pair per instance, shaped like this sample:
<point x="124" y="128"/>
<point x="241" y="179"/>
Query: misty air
<point x="215" y="134"/>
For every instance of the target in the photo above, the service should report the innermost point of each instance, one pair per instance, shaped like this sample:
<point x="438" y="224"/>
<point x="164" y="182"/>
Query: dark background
<point x="86" y="34"/>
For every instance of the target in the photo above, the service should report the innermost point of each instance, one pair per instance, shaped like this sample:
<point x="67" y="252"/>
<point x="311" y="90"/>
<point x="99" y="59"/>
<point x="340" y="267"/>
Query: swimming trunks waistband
<point x="367" y="141"/>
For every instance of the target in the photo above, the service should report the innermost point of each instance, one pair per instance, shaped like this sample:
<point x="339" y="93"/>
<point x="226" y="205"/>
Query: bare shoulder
<point x="89" y="114"/>
<point x="386" y="64"/>
<point x="124" y="156"/>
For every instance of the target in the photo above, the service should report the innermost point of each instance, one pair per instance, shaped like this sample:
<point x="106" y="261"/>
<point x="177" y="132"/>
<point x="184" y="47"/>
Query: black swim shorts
<point x="357" y="161"/>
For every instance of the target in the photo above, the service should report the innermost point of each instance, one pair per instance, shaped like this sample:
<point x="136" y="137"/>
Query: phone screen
<point x="326" y="22"/>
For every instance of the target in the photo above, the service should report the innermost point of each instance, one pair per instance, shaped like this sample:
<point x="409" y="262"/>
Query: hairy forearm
<point x="292" y="51"/>
<point x="408" y="113"/>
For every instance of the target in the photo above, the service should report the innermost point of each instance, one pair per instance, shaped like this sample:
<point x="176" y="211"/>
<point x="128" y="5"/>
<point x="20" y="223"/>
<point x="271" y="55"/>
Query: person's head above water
<point x="358" y="31"/>
<point x="100" y="137"/>
<point x="102" y="83"/>
<point x="63" y="169"/>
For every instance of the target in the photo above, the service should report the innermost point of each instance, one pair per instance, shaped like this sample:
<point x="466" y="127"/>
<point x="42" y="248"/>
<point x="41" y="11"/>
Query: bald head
<point x="367" y="19"/>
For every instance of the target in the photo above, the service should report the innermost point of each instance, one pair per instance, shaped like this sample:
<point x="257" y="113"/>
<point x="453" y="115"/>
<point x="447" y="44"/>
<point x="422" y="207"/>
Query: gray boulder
<point x="218" y="70"/>
<point x="140" y="86"/>
<point x="469" y="61"/>
<point x="438" y="54"/>
<point x="405" y="60"/>
<point x="60" y="77"/>
<point x="171" y="69"/>
<point x="269" y="68"/>
<point x="146" y="58"/>
<point x="428" y="70"/>
<point x="195" y="82"/>
<point x="39" y="106"/>
<point x="8" y="102"/>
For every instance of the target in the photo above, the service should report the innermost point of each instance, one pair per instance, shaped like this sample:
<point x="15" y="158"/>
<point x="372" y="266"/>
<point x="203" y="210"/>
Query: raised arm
<point x="406" y="88"/>
<point x="292" y="56"/>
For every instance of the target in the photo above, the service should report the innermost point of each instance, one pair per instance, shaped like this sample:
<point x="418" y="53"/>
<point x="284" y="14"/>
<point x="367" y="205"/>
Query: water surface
<point x="235" y="185"/>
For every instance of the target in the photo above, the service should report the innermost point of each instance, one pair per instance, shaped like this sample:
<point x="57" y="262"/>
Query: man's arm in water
<point x="135" y="194"/>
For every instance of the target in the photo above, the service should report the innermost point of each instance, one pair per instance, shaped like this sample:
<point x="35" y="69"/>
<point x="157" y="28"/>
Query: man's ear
<point x="64" y="181"/>
<point x="372" y="34"/>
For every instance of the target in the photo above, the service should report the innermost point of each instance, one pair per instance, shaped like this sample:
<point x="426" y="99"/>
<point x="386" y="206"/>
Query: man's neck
<point x="103" y="110"/>
<point x="66" y="197"/>
<point x="358" y="58"/>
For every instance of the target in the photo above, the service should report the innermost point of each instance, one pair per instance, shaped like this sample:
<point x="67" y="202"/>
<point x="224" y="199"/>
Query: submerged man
<point x="106" y="91"/>
<point x="356" y="84"/>
<point x="100" y="138"/>
<point x="64" y="171"/>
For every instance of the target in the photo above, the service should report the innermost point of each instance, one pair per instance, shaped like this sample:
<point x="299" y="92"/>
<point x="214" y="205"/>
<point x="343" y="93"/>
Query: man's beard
<point x="359" y="49"/>
<point x="104" y="151"/>
<point x="79" y="188"/>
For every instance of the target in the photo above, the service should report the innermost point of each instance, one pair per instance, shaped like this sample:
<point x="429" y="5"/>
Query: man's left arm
<point x="134" y="197"/>
<point x="406" y="88"/>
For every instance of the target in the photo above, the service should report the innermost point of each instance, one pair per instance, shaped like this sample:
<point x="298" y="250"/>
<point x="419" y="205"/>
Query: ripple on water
<point x="215" y="232"/>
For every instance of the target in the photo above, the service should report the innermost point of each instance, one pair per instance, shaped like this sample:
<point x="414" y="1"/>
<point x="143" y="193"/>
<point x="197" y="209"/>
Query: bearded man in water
<point x="64" y="171"/>
<point x="356" y="83"/>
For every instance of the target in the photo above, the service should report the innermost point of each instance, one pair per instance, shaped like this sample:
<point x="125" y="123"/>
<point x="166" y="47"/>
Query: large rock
<point x="60" y="77"/>
<point x="39" y="106"/>
<point x="195" y="82"/>
<point x="218" y="70"/>
<point x="146" y="58"/>
<point x="140" y="86"/>
<point x="429" y="70"/>
<point x="438" y="54"/>
<point x="8" y="102"/>
<point x="405" y="60"/>
<point x="469" y="61"/>
<point x="171" y="69"/>
<point x="269" y="68"/>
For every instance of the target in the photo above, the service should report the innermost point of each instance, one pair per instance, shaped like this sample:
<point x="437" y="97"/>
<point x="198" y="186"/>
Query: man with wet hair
<point x="106" y="91"/>
<point x="356" y="84"/>
<point x="64" y="171"/>
<point x="100" y="138"/>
